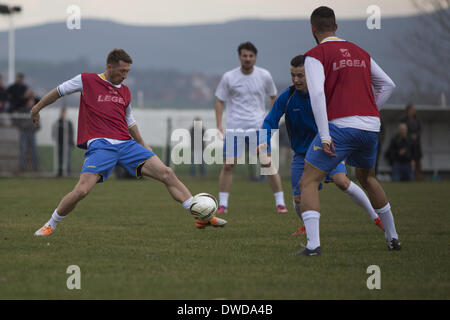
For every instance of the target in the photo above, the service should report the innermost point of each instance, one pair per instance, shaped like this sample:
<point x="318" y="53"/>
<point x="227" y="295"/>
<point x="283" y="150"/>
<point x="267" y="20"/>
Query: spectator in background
<point x="400" y="156"/>
<point x="414" y="131"/>
<point x="3" y="96"/>
<point x="18" y="95"/>
<point x="28" y="135"/>
<point x="193" y="171"/>
<point x="62" y="133"/>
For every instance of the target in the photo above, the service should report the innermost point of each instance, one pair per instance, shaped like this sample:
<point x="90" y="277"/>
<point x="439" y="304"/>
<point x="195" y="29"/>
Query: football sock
<point x="187" y="203"/>
<point x="311" y="220"/>
<point x="297" y="208"/>
<point x="223" y="198"/>
<point x="359" y="197"/>
<point x="387" y="219"/>
<point x="279" y="198"/>
<point x="55" y="219"/>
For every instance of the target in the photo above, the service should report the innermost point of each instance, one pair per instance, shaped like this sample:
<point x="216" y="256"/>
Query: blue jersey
<point x="299" y="118"/>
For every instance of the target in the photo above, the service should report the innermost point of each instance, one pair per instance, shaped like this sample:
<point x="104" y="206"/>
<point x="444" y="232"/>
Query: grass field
<point x="131" y="241"/>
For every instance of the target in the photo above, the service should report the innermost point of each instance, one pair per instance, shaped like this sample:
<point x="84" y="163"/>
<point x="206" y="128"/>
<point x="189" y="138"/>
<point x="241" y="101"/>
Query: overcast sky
<point x="181" y="12"/>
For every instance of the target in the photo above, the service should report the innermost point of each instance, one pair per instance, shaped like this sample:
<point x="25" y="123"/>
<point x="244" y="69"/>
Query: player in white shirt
<point x="244" y="91"/>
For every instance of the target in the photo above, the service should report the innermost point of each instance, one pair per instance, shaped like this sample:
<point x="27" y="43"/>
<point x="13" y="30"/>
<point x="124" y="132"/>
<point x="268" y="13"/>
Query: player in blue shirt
<point x="295" y="105"/>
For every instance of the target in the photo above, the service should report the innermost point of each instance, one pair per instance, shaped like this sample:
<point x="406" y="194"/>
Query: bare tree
<point x="427" y="47"/>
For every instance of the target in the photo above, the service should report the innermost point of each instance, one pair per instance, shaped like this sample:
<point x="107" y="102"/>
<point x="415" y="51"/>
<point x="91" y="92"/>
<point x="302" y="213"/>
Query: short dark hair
<point x="323" y="19"/>
<point x="297" y="61"/>
<point x="117" y="55"/>
<point x="247" y="46"/>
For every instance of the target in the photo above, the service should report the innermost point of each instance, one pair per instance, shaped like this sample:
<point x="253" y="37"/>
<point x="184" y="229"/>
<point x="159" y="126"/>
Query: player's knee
<point x="81" y="192"/>
<point x="167" y="174"/>
<point x="342" y="182"/>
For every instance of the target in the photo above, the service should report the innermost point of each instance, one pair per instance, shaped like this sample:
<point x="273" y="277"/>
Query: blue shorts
<point x="237" y="140"/>
<point x="297" y="167"/>
<point x="357" y="147"/>
<point x="101" y="157"/>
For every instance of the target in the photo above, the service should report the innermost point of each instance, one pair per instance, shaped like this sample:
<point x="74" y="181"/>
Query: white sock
<point x="359" y="197"/>
<point x="279" y="198"/>
<point x="223" y="199"/>
<point x="311" y="220"/>
<point x="187" y="203"/>
<point x="387" y="219"/>
<point x="55" y="219"/>
<point x="297" y="208"/>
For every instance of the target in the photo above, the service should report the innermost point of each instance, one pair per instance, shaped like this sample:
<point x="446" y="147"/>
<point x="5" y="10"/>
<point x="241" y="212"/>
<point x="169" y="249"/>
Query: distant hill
<point x="208" y="49"/>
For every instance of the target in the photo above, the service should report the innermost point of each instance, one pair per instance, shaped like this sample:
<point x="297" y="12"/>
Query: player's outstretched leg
<point x="380" y="202"/>
<point x="357" y="195"/>
<point x="83" y="187"/>
<point x="154" y="168"/>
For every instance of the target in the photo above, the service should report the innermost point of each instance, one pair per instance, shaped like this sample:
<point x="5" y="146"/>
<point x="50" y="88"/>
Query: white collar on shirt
<point x="103" y="77"/>
<point x="332" y="38"/>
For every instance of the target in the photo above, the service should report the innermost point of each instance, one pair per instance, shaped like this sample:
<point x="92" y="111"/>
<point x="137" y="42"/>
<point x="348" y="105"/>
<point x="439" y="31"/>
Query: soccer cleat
<point x="214" y="222"/>
<point x="309" y="253"/>
<point x="46" y="230"/>
<point x="222" y="209"/>
<point x="300" y="231"/>
<point x="394" y="244"/>
<point x="379" y="223"/>
<point x="281" y="209"/>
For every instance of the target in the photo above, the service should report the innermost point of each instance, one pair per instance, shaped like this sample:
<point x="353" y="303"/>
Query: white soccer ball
<point x="204" y="206"/>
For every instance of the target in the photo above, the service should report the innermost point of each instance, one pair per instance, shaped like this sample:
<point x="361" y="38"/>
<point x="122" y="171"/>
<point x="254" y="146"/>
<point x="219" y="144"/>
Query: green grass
<point x="132" y="241"/>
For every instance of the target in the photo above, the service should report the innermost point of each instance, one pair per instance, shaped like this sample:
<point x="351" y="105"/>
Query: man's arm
<point x="382" y="84"/>
<point x="136" y="135"/>
<point x="315" y="79"/>
<point x="272" y="100"/>
<point x="73" y="85"/>
<point x="48" y="99"/>
<point x="270" y="122"/>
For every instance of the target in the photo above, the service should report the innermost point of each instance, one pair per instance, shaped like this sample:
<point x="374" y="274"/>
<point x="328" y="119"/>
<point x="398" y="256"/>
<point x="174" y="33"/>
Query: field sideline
<point x="131" y="241"/>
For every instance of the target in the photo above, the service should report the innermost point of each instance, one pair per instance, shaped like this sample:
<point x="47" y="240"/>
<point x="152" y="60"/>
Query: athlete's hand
<point x="264" y="156"/>
<point x="34" y="115"/>
<point x="329" y="149"/>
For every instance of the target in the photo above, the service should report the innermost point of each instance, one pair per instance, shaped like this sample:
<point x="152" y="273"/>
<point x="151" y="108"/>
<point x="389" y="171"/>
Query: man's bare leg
<point x="85" y="184"/>
<point x="154" y="168"/>
<point x="82" y="188"/>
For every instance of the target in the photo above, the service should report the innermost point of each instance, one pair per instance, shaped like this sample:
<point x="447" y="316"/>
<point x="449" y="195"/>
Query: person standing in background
<point x="414" y="131"/>
<point x="62" y="133"/>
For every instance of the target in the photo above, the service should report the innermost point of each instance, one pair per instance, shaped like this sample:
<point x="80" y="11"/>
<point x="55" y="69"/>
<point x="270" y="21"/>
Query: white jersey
<point x="244" y="96"/>
<point x="76" y="85"/>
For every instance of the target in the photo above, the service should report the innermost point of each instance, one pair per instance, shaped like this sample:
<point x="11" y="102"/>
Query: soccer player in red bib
<point x="340" y="76"/>
<point x="108" y="130"/>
